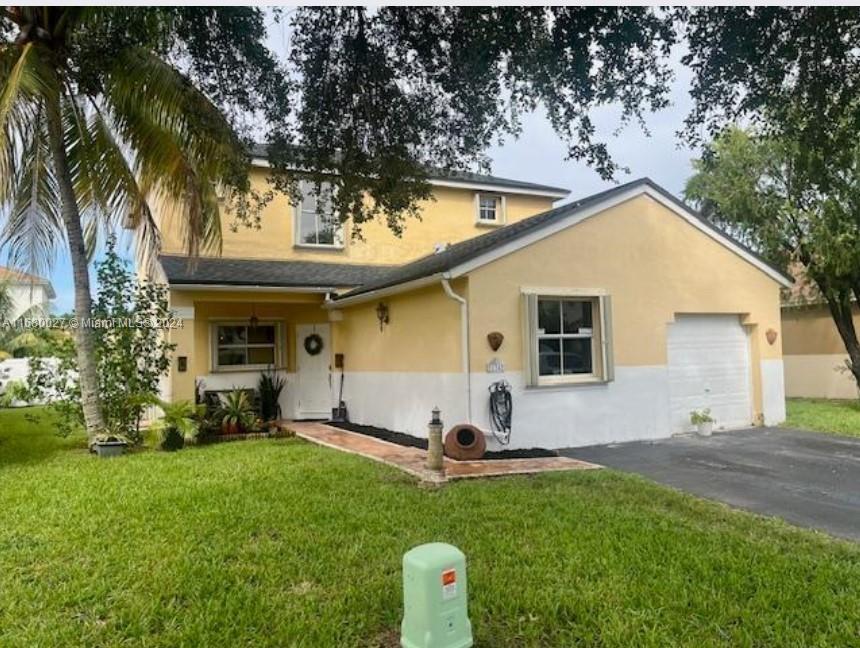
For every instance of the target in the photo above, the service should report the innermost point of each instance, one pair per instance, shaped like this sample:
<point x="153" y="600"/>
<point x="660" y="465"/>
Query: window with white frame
<point x="317" y="224"/>
<point x="490" y="208"/>
<point x="568" y="338"/>
<point x="245" y="346"/>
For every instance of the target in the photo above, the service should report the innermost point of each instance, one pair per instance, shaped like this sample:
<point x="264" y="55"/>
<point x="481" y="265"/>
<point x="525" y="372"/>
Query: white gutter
<point x="499" y="188"/>
<point x="412" y="285"/>
<point x="249" y="288"/>
<point x="383" y="292"/>
<point x="464" y="343"/>
<point x="549" y="192"/>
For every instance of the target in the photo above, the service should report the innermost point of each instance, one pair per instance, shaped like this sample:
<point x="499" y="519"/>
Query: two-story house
<point x="610" y="318"/>
<point x="27" y="293"/>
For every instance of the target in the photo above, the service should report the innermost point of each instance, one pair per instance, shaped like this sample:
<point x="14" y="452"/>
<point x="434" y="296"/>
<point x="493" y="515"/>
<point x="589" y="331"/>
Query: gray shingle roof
<point x="469" y="249"/>
<point x="261" y="151"/>
<point x="270" y="273"/>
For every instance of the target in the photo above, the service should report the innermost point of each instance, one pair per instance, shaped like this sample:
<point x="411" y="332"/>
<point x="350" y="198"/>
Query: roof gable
<point x="461" y="258"/>
<point x="21" y="278"/>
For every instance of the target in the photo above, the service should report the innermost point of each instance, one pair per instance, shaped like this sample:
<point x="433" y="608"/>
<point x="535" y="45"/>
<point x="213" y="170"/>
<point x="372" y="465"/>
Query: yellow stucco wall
<point x="809" y="330"/>
<point x="652" y="263"/>
<point x="815" y="355"/>
<point x="423" y="333"/>
<point x="449" y="218"/>
<point x="194" y="341"/>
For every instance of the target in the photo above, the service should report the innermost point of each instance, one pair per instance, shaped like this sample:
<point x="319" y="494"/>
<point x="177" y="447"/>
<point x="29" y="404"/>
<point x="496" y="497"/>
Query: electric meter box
<point x="435" y="598"/>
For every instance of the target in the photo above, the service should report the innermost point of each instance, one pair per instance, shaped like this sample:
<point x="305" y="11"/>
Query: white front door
<point x="709" y="368"/>
<point x="313" y="379"/>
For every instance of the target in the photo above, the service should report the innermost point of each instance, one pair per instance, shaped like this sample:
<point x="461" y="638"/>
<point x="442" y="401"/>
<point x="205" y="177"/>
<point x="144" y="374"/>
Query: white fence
<point x="17" y="370"/>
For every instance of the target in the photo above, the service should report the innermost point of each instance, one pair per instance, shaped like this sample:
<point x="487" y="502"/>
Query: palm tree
<point x="89" y="144"/>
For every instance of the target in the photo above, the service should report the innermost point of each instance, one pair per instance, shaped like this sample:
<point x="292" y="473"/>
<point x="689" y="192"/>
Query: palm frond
<point x="24" y="82"/>
<point x="109" y="195"/>
<point x="33" y="227"/>
<point x="28" y="193"/>
<point x="182" y="146"/>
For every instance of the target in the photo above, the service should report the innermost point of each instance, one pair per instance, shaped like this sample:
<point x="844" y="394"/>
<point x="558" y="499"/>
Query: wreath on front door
<point x="313" y="344"/>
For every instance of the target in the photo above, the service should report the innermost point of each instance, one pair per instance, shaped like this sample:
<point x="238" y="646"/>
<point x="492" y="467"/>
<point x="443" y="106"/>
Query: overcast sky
<point x="539" y="156"/>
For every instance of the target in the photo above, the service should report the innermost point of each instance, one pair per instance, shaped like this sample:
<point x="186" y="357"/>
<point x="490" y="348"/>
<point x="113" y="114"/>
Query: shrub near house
<point x="131" y="358"/>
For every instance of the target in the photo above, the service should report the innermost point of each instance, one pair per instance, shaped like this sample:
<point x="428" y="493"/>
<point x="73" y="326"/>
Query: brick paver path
<point x="412" y="460"/>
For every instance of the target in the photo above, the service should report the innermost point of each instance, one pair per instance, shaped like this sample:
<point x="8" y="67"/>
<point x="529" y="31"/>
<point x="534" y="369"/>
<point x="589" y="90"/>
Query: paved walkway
<point x="413" y="460"/>
<point x="807" y="478"/>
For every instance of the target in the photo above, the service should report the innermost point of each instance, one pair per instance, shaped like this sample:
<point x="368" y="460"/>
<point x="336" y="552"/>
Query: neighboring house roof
<point x="466" y="179"/>
<point x="220" y="271"/>
<point x="463" y="255"/>
<point x="804" y="292"/>
<point x="18" y="277"/>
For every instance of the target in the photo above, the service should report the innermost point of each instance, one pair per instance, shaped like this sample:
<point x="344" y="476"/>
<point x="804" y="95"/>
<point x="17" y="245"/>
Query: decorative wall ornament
<point x="771" y="336"/>
<point x="313" y="344"/>
<point x="495" y="339"/>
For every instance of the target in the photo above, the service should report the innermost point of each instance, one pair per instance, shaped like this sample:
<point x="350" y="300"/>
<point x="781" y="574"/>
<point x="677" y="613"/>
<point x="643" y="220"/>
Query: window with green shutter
<point x="567" y="338"/>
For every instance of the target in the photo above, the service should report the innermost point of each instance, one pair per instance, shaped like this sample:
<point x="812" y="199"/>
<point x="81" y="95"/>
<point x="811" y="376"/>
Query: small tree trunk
<point x="87" y="366"/>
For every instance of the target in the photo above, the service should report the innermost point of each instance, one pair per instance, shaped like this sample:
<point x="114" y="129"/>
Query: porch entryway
<point x="313" y="371"/>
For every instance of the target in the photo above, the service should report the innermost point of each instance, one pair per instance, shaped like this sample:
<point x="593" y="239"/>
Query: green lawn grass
<point x="820" y="415"/>
<point x="282" y="543"/>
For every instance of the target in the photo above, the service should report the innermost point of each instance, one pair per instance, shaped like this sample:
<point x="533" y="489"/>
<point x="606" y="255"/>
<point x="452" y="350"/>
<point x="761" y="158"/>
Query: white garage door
<point x="709" y="367"/>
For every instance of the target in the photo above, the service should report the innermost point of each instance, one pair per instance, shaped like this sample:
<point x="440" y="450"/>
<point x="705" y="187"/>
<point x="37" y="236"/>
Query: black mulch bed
<point x="414" y="442"/>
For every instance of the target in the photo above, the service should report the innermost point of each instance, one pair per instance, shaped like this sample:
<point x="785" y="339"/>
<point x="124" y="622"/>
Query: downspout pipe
<point x="464" y="342"/>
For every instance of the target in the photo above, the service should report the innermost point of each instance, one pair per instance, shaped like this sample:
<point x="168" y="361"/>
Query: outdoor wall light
<point x="382" y="314"/>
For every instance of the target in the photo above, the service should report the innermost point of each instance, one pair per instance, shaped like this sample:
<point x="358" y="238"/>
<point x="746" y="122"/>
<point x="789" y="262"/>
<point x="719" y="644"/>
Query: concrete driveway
<point x="806" y="478"/>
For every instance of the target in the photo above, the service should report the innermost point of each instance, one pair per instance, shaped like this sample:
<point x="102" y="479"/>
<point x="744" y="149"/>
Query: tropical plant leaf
<point x="33" y="228"/>
<point x="182" y="146"/>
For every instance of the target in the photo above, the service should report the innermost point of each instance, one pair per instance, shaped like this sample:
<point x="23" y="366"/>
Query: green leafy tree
<point x="379" y="96"/>
<point x="793" y="72"/>
<point x="131" y="353"/>
<point x="98" y="127"/>
<point x="761" y="188"/>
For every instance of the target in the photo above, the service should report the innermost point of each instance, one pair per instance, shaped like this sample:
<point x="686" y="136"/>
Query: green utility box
<point x="435" y="598"/>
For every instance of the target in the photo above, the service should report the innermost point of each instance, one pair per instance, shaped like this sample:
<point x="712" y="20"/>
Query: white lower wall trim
<point x="818" y="376"/>
<point x="634" y="406"/>
<point x="402" y="401"/>
<point x="250" y="380"/>
<point x="773" y="391"/>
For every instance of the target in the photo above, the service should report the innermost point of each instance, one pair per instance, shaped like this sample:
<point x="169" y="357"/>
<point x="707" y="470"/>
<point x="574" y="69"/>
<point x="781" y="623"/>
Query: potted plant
<point x="236" y="413"/>
<point x="703" y="421"/>
<point x="180" y="424"/>
<point x="109" y="445"/>
<point x="270" y="387"/>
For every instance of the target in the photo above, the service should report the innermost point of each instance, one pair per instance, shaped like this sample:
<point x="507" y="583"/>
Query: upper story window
<point x="317" y="224"/>
<point x="490" y="209"/>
